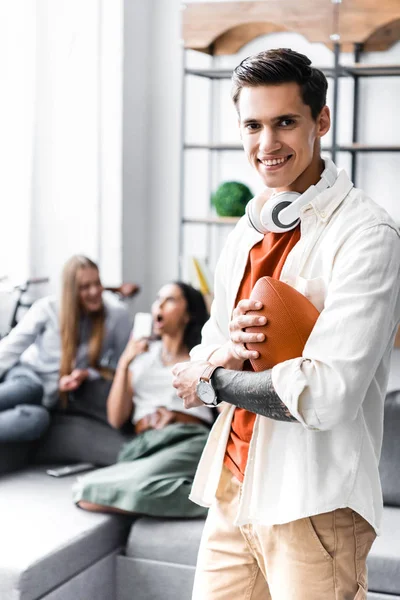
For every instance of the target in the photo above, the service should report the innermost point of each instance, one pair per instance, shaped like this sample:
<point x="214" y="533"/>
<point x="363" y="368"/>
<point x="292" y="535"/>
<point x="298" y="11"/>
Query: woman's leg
<point x="156" y="484"/>
<point x="102" y="508"/>
<point x="20" y="386"/>
<point x="24" y="423"/>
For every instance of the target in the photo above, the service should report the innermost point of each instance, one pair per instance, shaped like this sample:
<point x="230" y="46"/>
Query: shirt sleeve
<point x="23" y="335"/>
<point x="328" y="384"/>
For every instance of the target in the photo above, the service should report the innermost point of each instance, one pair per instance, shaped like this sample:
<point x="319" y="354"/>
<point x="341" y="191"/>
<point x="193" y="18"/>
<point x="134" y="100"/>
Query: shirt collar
<point x="327" y="201"/>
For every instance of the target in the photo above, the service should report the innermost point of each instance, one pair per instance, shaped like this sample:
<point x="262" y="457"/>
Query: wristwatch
<point x="204" y="388"/>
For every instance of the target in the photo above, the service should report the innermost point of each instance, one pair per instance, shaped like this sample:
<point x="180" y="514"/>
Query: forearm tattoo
<point x="252" y="391"/>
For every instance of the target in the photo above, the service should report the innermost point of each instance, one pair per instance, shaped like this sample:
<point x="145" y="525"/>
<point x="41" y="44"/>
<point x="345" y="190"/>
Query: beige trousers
<point x="322" y="557"/>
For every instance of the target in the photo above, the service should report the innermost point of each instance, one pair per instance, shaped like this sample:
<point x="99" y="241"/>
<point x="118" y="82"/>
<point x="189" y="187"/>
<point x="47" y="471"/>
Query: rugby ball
<point x="290" y="320"/>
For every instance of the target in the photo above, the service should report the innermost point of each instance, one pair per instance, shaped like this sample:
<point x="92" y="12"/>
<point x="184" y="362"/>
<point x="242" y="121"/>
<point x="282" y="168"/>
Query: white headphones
<point x="281" y="212"/>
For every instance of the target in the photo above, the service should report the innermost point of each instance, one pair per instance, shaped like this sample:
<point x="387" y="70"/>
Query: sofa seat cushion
<point x="45" y="538"/>
<point x="390" y="455"/>
<point x="165" y="540"/>
<point x="78" y="438"/>
<point x="384" y="558"/>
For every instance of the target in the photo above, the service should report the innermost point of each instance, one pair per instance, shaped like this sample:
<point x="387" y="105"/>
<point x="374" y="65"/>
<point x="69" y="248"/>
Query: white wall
<point x="74" y="192"/>
<point x="152" y="120"/>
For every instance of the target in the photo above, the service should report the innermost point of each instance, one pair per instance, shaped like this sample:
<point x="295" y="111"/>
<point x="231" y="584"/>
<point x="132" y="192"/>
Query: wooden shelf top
<point x="212" y="220"/>
<point x="224" y="27"/>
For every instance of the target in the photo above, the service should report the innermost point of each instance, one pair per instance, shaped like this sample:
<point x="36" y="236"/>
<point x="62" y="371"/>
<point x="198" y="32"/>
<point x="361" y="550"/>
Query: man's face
<point x="279" y="135"/>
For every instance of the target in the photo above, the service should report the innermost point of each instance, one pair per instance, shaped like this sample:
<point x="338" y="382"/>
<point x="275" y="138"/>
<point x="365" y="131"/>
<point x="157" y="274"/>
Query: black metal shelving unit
<point x="338" y="71"/>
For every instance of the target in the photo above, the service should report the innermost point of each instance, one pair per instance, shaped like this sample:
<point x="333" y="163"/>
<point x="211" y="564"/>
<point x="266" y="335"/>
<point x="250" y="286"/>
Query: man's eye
<point x="252" y="126"/>
<point x="287" y="123"/>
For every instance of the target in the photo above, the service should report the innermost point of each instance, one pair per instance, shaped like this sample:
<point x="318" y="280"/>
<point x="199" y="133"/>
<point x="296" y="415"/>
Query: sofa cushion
<point x="390" y="456"/>
<point x="45" y="538"/>
<point x="77" y="438"/>
<point x="384" y="558"/>
<point x="165" y="540"/>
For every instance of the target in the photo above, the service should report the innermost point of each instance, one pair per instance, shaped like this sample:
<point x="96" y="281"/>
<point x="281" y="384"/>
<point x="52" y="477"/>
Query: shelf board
<point x="210" y="73"/>
<point x="213" y="147"/>
<point x="340" y="147"/>
<point x="367" y="148"/>
<point x="362" y="70"/>
<point x="226" y="147"/>
<point x="211" y="220"/>
<point x="359" y="70"/>
<point x="227" y="73"/>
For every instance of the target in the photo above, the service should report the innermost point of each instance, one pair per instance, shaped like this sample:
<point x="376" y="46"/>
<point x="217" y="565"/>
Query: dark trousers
<point x="22" y="418"/>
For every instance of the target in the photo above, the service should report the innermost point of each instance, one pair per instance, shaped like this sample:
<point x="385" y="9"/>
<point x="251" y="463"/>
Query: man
<point x="290" y="469"/>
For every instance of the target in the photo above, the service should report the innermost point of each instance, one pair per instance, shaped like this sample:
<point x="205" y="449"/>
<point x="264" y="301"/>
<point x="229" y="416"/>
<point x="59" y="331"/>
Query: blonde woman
<point x="57" y="346"/>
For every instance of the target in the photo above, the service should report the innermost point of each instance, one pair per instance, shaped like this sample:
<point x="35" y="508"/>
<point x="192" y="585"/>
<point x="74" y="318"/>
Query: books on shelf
<point x="200" y="277"/>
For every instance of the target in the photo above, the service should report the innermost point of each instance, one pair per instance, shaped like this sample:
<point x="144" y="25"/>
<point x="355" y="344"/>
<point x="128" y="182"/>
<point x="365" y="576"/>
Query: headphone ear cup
<point x="253" y="212"/>
<point x="269" y="215"/>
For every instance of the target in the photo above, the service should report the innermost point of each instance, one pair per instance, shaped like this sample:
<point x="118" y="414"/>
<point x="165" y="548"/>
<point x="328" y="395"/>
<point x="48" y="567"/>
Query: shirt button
<point x="323" y="214"/>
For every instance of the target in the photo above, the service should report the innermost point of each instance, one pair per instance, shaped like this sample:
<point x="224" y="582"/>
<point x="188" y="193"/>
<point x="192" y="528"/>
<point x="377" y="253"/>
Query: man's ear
<point x="323" y="121"/>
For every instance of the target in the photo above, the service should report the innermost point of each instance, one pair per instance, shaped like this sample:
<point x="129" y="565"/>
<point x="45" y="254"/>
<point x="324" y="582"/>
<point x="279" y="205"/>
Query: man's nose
<point x="268" y="141"/>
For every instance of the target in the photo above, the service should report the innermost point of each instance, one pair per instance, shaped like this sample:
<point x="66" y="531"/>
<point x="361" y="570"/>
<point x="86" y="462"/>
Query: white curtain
<point x="60" y="135"/>
<point x="17" y="125"/>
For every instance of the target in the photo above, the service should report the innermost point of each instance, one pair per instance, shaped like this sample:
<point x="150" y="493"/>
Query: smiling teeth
<point x="275" y="161"/>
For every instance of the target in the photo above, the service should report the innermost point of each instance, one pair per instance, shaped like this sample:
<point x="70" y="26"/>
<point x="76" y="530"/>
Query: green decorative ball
<point x="230" y="199"/>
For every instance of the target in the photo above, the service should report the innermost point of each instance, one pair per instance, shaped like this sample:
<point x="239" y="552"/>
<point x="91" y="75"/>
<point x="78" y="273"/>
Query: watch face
<point x="206" y="392"/>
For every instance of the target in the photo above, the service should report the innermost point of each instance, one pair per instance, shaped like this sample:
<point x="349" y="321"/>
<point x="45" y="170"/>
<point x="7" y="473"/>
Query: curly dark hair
<point x="282" y="65"/>
<point x="198" y="314"/>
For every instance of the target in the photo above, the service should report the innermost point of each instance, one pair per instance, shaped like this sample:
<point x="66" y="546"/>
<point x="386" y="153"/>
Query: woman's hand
<point x="132" y="350"/>
<point x="160" y="418"/>
<point x="69" y="383"/>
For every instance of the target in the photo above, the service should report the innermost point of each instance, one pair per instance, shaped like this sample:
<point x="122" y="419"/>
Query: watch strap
<point x="207" y="373"/>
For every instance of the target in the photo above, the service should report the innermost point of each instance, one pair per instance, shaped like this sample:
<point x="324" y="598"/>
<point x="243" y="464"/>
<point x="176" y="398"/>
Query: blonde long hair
<point x="70" y="316"/>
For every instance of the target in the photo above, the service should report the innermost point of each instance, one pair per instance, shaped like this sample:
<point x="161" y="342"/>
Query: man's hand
<point x="69" y="383"/>
<point x="186" y="376"/>
<point x="240" y="321"/>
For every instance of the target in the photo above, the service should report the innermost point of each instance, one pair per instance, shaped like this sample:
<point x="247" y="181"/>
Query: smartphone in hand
<point x="142" y="326"/>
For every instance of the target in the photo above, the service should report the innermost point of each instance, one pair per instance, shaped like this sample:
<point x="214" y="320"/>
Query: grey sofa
<point x="52" y="550"/>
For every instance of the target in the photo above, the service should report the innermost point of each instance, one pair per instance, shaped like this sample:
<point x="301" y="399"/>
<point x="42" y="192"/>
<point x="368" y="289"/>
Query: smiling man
<point x="290" y="471"/>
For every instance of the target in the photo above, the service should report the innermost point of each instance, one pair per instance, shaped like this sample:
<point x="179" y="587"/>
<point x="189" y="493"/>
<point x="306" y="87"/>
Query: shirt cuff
<point x="289" y="383"/>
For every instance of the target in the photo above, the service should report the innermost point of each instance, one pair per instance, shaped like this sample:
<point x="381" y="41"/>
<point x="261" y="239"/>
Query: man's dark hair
<point x="282" y="65"/>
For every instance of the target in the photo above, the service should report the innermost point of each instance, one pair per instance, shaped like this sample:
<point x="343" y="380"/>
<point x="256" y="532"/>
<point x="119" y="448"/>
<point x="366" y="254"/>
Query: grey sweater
<point x="35" y="342"/>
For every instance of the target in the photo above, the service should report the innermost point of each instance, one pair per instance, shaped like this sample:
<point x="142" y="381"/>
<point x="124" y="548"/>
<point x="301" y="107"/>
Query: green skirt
<point x="153" y="475"/>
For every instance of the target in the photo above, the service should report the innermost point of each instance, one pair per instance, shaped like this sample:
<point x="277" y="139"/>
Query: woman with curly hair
<point x="155" y="470"/>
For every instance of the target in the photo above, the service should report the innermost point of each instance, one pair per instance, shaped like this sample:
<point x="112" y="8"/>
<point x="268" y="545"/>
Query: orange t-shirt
<point x="265" y="258"/>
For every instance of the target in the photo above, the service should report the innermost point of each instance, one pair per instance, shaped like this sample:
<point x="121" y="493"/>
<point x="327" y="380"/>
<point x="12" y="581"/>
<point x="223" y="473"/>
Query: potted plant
<point x="230" y="199"/>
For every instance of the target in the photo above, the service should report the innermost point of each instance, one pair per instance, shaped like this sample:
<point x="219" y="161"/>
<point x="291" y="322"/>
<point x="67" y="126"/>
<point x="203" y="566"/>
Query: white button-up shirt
<point x="347" y="263"/>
